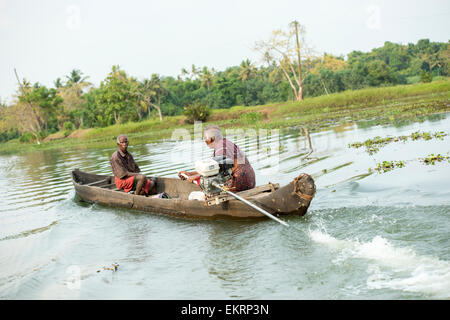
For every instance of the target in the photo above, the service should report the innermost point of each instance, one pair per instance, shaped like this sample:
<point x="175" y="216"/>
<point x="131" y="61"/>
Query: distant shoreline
<point x="397" y="104"/>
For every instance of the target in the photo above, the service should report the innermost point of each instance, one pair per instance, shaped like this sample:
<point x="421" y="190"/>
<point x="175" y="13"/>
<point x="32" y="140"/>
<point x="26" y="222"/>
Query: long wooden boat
<point x="293" y="198"/>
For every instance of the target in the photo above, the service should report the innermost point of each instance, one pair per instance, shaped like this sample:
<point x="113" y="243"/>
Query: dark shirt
<point x="122" y="163"/>
<point x="244" y="176"/>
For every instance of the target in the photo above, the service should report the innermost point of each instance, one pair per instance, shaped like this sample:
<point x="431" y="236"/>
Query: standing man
<point x="127" y="172"/>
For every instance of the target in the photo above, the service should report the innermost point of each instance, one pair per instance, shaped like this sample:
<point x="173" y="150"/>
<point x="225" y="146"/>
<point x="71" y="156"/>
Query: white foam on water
<point x="392" y="267"/>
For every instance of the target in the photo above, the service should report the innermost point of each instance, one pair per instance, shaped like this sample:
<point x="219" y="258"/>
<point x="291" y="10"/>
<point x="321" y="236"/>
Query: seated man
<point x="127" y="172"/>
<point x="243" y="176"/>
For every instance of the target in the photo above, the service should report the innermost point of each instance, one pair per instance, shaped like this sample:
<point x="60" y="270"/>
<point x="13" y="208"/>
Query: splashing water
<point x="392" y="267"/>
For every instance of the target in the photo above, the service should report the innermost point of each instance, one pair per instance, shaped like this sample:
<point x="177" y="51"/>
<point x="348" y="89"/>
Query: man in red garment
<point x="126" y="171"/>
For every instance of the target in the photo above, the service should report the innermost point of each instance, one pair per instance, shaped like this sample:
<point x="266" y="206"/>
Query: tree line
<point x="290" y="71"/>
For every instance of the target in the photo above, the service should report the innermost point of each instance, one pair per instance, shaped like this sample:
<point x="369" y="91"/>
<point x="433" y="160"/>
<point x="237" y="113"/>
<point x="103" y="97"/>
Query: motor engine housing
<point x="216" y="170"/>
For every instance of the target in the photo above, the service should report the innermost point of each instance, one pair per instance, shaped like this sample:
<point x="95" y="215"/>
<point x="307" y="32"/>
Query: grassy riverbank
<point x="370" y="106"/>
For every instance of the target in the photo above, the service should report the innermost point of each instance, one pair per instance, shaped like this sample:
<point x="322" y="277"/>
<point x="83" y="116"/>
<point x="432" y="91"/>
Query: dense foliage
<point x="39" y="111"/>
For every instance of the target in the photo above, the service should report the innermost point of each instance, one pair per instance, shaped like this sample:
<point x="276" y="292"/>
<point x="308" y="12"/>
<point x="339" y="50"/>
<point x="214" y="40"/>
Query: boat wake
<point x="391" y="267"/>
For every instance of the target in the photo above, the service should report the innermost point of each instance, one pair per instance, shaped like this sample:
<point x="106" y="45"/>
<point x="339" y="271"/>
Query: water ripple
<point x="335" y="251"/>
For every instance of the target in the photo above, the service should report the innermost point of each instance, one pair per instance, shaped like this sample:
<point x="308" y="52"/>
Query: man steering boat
<point x="243" y="175"/>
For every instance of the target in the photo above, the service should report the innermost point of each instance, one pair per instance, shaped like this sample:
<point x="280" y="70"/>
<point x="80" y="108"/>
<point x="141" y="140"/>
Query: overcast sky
<point x="46" y="39"/>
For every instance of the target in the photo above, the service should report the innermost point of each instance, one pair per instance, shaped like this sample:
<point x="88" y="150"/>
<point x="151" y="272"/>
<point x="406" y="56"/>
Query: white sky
<point x="46" y="39"/>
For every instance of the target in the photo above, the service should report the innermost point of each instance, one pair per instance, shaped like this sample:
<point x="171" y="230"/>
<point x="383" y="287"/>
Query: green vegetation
<point x="364" y="107"/>
<point x="334" y="81"/>
<point x="374" y="145"/>
<point x="386" y="166"/>
<point x="196" y="112"/>
<point x="432" y="159"/>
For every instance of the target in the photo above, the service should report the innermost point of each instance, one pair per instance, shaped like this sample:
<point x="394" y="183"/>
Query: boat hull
<point x="293" y="198"/>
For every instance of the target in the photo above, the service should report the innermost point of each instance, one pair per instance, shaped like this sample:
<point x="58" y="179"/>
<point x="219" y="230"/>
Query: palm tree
<point x="152" y="92"/>
<point x="71" y="92"/>
<point x="207" y="77"/>
<point x="194" y="72"/>
<point x="247" y="70"/>
<point x="58" y="83"/>
<point x="184" y="72"/>
<point x="76" y="81"/>
<point x="75" y="76"/>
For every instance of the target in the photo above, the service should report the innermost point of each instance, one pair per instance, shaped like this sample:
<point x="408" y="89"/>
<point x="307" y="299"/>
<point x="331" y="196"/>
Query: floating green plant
<point x="389" y="165"/>
<point x="374" y="145"/>
<point x="399" y="164"/>
<point x="386" y="166"/>
<point x="432" y="159"/>
<point x="439" y="135"/>
<point x="420" y="135"/>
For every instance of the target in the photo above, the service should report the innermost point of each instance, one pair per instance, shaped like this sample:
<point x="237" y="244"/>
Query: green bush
<point x="8" y="135"/>
<point x="251" y="117"/>
<point x="196" y="112"/>
<point x="27" y="137"/>
<point x="426" y="77"/>
<point x="68" y="126"/>
<point x="413" y="79"/>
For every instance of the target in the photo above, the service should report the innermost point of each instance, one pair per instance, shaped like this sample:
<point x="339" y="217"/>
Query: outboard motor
<point x="213" y="171"/>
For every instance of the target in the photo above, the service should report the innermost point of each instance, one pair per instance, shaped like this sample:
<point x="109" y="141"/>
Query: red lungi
<point x="128" y="184"/>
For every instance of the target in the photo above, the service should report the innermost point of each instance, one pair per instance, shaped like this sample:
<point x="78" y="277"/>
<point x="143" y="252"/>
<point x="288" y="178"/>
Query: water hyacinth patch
<point x="374" y="145"/>
<point x="386" y="166"/>
<point x="439" y="135"/>
<point x="420" y="135"/>
<point x="432" y="159"/>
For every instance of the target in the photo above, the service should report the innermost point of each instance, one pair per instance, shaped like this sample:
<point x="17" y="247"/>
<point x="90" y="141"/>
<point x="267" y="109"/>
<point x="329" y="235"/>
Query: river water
<point x="367" y="235"/>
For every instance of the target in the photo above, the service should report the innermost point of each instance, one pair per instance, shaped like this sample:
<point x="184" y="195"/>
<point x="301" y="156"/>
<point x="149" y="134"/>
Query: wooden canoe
<point x="293" y="198"/>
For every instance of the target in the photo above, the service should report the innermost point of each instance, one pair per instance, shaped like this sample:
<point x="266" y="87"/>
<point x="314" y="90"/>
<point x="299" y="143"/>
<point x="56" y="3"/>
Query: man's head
<point x="122" y="142"/>
<point x="212" y="134"/>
